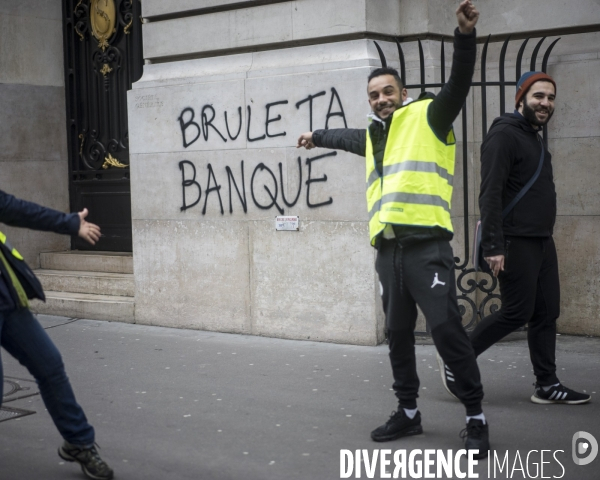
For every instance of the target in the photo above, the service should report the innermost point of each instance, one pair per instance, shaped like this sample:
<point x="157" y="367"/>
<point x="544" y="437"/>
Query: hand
<point x="305" y="140"/>
<point x="467" y="16"/>
<point x="90" y="232"/>
<point x="496" y="264"/>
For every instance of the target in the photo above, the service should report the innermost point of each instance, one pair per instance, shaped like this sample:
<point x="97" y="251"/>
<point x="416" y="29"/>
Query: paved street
<point x="184" y="404"/>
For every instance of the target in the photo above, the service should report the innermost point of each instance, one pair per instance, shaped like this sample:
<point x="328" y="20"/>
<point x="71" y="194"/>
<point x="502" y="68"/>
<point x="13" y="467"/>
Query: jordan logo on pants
<point x="436" y="281"/>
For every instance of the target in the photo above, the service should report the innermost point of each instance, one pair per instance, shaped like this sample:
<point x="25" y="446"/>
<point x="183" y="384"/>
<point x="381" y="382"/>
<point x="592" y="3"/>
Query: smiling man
<point x="409" y="152"/>
<point x="518" y="245"/>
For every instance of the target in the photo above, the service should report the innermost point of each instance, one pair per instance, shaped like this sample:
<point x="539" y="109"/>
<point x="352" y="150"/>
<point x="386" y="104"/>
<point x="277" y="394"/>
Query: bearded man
<point x="518" y="245"/>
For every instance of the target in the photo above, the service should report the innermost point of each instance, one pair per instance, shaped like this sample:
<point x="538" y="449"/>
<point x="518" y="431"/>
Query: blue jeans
<point x="23" y="337"/>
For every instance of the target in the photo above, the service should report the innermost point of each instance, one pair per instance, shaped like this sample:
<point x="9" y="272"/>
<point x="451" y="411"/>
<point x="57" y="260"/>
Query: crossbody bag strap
<point x="531" y="181"/>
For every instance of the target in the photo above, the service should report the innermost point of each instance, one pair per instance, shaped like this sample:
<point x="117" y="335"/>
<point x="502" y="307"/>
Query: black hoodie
<point x="510" y="155"/>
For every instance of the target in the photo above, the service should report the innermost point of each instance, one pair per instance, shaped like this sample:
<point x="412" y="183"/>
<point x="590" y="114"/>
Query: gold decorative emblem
<point x="103" y="18"/>
<point x="128" y="26"/>
<point x="111" y="161"/>
<point x="105" y="69"/>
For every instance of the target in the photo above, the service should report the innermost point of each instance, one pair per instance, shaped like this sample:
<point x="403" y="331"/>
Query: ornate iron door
<point x="103" y="57"/>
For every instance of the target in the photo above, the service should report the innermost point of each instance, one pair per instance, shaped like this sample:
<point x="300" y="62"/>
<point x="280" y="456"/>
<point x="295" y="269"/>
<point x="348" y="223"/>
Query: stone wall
<point x="33" y="145"/>
<point x="230" y="82"/>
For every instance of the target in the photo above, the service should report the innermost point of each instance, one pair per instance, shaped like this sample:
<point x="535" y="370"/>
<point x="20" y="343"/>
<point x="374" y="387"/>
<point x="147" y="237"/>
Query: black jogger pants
<point x="530" y="292"/>
<point x="423" y="274"/>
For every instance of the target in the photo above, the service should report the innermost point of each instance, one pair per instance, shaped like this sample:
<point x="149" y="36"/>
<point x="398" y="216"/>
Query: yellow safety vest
<point x="11" y="273"/>
<point x="10" y="248"/>
<point x="418" y="169"/>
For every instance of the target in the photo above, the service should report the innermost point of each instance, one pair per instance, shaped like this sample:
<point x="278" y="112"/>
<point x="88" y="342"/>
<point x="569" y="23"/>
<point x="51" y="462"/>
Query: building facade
<point x="227" y="87"/>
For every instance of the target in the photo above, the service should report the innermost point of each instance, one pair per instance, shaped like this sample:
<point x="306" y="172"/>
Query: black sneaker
<point x="89" y="459"/>
<point x="447" y="377"/>
<point x="399" y="425"/>
<point x="476" y="437"/>
<point x="558" y="394"/>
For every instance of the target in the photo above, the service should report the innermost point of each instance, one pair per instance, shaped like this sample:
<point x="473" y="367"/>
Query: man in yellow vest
<point x="23" y="337"/>
<point x="409" y="152"/>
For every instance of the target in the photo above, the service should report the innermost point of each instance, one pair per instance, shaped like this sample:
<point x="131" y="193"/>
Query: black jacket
<point x="19" y="213"/>
<point x="510" y="155"/>
<point x="441" y="112"/>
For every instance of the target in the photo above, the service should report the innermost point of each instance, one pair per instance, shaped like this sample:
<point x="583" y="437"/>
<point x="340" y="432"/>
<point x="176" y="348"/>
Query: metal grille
<point x="17" y="388"/>
<point x="467" y="283"/>
<point x="9" y="413"/>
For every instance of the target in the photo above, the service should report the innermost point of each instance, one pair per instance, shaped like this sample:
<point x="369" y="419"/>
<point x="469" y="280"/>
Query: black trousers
<point x="423" y="274"/>
<point x="530" y="292"/>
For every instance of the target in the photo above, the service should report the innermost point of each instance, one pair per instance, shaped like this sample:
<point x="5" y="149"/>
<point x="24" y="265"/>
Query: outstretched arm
<point x="351" y="140"/>
<point x="449" y="102"/>
<point x="21" y="213"/>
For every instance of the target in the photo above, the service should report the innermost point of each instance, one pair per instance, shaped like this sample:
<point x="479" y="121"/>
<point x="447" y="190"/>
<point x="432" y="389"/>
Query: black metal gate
<point x="103" y="57"/>
<point x="469" y="282"/>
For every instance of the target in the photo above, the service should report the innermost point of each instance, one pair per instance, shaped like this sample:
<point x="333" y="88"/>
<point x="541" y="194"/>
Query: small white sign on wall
<point x="287" y="223"/>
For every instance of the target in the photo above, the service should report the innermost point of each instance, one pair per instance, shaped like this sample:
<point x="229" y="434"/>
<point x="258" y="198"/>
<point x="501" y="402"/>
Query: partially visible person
<point x="23" y="337"/>
<point x="519" y="247"/>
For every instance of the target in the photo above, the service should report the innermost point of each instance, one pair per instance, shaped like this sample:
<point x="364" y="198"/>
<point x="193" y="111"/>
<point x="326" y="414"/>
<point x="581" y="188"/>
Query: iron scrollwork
<point x="106" y="28"/>
<point x="470" y="283"/>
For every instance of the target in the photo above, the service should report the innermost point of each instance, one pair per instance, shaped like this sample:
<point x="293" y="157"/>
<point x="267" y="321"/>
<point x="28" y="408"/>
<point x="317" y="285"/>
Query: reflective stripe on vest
<point x="22" y="296"/>
<point x="415" y="187"/>
<point x="7" y="244"/>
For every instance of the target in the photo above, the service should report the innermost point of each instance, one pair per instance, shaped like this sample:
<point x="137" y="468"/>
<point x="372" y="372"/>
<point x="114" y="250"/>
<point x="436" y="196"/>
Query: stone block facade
<point x="232" y="82"/>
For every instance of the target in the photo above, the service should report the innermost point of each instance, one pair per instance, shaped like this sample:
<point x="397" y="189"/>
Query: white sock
<point x="481" y="417"/>
<point x="545" y="389"/>
<point x="410" y="413"/>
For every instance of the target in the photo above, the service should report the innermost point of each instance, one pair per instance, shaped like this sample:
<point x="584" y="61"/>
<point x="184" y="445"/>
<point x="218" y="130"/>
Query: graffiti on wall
<point x="244" y="184"/>
<point x="273" y="185"/>
<point x="198" y="125"/>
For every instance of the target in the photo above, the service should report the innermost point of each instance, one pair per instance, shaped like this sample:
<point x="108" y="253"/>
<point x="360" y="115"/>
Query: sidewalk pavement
<point x="186" y="404"/>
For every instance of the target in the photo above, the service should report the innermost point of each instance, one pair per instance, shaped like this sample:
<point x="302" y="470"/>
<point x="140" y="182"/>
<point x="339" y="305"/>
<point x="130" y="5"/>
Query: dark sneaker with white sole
<point x="399" y="425"/>
<point x="447" y="377"/>
<point x="476" y="437"/>
<point x="89" y="459"/>
<point x="558" y="394"/>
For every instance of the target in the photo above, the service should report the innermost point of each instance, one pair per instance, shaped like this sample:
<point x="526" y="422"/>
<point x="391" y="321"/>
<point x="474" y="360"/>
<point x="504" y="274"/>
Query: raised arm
<point x="449" y="102"/>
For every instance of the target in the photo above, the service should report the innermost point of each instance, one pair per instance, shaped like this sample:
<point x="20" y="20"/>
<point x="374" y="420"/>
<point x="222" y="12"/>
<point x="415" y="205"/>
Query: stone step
<point x="85" y="305"/>
<point x="98" y="283"/>
<point x="108" y="262"/>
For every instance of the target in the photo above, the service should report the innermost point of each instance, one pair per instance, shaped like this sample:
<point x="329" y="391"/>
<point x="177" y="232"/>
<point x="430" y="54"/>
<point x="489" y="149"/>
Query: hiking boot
<point x="89" y="459"/>
<point x="558" y="394"/>
<point x="447" y="377"/>
<point x="476" y="437"/>
<point x="399" y="425"/>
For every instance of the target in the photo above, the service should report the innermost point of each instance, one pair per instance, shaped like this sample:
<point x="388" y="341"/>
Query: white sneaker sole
<point x="442" y="366"/>
<point x="542" y="401"/>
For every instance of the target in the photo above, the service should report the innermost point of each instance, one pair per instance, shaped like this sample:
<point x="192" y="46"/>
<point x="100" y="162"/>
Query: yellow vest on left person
<point x="23" y="301"/>
<point x="415" y="186"/>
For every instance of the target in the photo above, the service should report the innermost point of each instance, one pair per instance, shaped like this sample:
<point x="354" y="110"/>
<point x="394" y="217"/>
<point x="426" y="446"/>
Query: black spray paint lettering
<point x="262" y="166"/>
<point x="241" y="196"/>
<point x="188" y="183"/>
<point x="309" y="99"/>
<point x="271" y="187"/>
<point x="309" y="162"/>
<point x="239" y="128"/>
<point x="192" y="131"/>
<point x="208" y="123"/>
<point x="210" y="189"/>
